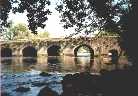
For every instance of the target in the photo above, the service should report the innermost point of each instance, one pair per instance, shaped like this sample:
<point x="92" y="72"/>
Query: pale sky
<point x="53" y="25"/>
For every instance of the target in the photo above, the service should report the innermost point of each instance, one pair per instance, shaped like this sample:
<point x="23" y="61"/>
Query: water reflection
<point x="60" y="64"/>
<point x="25" y="71"/>
<point x="53" y="60"/>
<point x="29" y="60"/>
<point x="54" y="64"/>
<point x="6" y="61"/>
<point x="83" y="63"/>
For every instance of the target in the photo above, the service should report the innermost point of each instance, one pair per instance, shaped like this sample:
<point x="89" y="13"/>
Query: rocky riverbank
<point x="36" y="83"/>
<point x="113" y="83"/>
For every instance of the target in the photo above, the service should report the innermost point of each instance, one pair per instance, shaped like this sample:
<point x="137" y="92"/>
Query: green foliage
<point x="43" y="35"/>
<point x="19" y="30"/>
<point x="85" y="15"/>
<point x="36" y="11"/>
<point x="91" y="15"/>
<point x="6" y="33"/>
<point x="40" y="35"/>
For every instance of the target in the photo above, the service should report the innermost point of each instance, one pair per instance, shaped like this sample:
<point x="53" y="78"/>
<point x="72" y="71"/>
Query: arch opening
<point x="84" y="50"/>
<point x="6" y="52"/>
<point x="113" y="54"/>
<point x="54" y="50"/>
<point x="29" y="52"/>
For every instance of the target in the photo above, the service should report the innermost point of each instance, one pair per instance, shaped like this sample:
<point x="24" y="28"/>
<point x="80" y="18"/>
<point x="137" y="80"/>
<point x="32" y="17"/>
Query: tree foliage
<point x="14" y="32"/>
<point x="20" y="31"/>
<point x="44" y="35"/>
<point x="5" y="7"/>
<point x="105" y="15"/>
<point x="91" y="15"/>
<point x="6" y="33"/>
<point x="37" y="11"/>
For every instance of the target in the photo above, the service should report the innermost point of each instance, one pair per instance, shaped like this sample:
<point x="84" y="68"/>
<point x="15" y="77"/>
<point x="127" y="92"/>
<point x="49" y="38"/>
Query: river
<point x="21" y="71"/>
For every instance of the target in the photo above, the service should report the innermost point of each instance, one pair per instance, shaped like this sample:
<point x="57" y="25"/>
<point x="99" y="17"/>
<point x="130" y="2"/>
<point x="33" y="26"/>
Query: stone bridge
<point x="58" y="46"/>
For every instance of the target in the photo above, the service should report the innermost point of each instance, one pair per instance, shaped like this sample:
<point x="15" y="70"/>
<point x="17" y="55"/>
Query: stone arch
<point x="6" y="52"/>
<point x="53" y="50"/>
<point x="29" y="51"/>
<point x="89" y="47"/>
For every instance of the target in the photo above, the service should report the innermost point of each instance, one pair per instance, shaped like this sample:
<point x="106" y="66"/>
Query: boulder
<point x="46" y="91"/>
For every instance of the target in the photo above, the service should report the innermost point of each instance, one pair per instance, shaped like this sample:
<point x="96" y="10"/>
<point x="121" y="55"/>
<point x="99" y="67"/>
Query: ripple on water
<point x="28" y="79"/>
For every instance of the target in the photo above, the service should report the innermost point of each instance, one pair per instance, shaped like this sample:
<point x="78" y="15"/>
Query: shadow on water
<point x="29" y="60"/>
<point x="54" y="64"/>
<point x="6" y="52"/>
<point x="6" y="61"/>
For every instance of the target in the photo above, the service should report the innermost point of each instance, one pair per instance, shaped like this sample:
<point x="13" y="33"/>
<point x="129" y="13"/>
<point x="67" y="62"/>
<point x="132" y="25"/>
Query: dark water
<point x="19" y="71"/>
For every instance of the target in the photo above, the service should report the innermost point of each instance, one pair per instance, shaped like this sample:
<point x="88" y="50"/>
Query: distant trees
<point x="14" y="32"/>
<point x="40" y="35"/>
<point x="21" y="31"/>
<point x="43" y="34"/>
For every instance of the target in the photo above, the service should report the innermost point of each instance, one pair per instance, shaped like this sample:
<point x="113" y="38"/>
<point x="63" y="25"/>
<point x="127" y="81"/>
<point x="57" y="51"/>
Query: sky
<point x="53" y="25"/>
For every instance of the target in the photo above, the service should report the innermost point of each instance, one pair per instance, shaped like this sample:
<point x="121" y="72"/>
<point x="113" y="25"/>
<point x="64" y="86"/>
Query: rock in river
<point x="44" y="74"/>
<point x="22" y="89"/>
<point x="46" y="91"/>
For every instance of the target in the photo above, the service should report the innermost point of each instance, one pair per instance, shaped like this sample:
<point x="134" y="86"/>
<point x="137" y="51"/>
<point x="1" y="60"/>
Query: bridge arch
<point x="29" y="51"/>
<point x="53" y="50"/>
<point x="87" y="46"/>
<point x="6" y="52"/>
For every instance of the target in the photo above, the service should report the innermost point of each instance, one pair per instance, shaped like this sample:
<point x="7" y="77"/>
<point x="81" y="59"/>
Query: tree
<point x="6" y="32"/>
<point x="129" y="33"/>
<point x="91" y="15"/>
<point x="19" y="31"/>
<point x="36" y="11"/>
<point x="44" y="35"/>
<point x="103" y="15"/>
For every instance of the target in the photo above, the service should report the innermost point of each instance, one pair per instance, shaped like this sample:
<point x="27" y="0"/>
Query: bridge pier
<point x="42" y="52"/>
<point x="17" y="53"/>
<point x="68" y="52"/>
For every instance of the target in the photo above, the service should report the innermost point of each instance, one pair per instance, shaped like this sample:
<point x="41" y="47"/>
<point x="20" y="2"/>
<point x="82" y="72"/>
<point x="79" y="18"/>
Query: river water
<point x="21" y="71"/>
